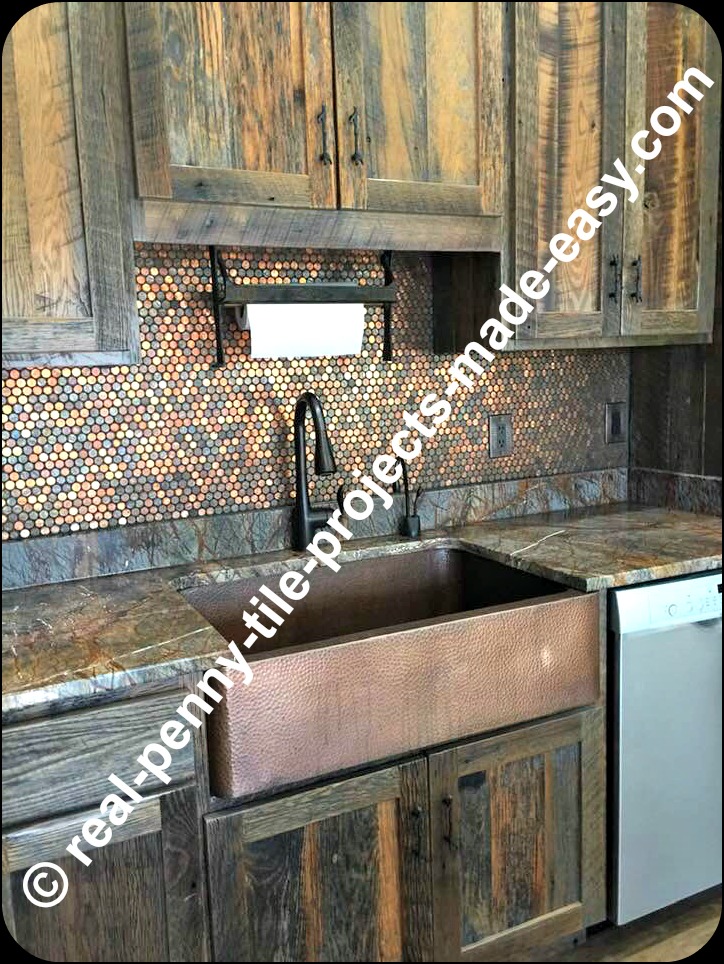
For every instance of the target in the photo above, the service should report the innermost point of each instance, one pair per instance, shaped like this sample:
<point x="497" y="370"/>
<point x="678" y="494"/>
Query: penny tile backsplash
<point x="170" y="438"/>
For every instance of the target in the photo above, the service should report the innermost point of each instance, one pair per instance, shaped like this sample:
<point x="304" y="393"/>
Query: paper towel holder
<point x="296" y="294"/>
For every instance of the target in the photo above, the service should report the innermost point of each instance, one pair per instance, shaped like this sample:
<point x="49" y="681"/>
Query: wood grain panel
<point x="673" y="230"/>
<point x="184" y="875"/>
<point x="569" y="68"/>
<point x="428" y="83"/>
<point x="389" y="893"/>
<point x="226" y="187"/>
<point x="517" y="829"/>
<point x="570" y="138"/>
<point x="351" y="884"/>
<point x="453" y="125"/>
<point x="675" y="41"/>
<point x="266" y="84"/>
<point x="510" y="814"/>
<point x="396" y="96"/>
<point x="226" y="102"/>
<point x="563" y="825"/>
<point x="349" y="872"/>
<point x="199" y="223"/>
<point x="47" y="840"/>
<point x="198" y="113"/>
<point x="68" y="278"/>
<point x="62" y="763"/>
<point x="17" y="269"/>
<point x="475" y="845"/>
<point x="52" y="184"/>
<point x="114" y="909"/>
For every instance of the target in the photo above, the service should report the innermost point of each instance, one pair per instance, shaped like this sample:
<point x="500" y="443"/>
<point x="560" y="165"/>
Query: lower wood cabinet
<point x="337" y="873"/>
<point x="141" y="899"/>
<point x="481" y="850"/>
<point x="477" y="852"/>
<point x="517" y="839"/>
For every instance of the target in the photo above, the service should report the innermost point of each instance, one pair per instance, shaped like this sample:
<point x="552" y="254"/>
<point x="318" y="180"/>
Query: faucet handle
<point x="418" y="493"/>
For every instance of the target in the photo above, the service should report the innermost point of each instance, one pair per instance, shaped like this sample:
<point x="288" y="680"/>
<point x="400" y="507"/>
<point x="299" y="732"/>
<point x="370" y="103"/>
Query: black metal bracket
<point x="218" y="297"/>
<point x="386" y="259"/>
<point x="225" y="294"/>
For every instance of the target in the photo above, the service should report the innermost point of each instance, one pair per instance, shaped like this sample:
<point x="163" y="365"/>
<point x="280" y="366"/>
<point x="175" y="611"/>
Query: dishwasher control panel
<point x="659" y="605"/>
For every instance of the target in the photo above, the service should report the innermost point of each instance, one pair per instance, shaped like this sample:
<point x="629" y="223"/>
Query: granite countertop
<point x="78" y="643"/>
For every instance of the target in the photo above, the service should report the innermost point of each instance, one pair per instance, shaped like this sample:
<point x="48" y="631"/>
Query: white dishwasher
<point x="667" y="743"/>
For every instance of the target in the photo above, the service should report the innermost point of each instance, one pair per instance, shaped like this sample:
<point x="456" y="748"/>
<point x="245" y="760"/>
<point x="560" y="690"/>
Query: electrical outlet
<point x="616" y="422"/>
<point x="500" y="435"/>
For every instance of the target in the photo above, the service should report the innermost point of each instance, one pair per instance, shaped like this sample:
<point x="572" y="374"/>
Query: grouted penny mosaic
<point x="89" y="448"/>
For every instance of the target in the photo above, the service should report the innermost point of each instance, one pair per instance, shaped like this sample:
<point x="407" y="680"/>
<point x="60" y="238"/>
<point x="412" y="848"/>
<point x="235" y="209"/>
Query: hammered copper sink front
<point x="393" y="654"/>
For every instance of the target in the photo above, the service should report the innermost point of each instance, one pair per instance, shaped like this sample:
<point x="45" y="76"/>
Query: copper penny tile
<point x="89" y="448"/>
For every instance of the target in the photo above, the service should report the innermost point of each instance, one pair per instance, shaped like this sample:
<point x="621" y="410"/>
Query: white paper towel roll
<point x="305" y="331"/>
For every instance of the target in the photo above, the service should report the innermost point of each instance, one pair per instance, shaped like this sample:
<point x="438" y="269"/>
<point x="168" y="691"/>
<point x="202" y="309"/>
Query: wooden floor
<point x="669" y="935"/>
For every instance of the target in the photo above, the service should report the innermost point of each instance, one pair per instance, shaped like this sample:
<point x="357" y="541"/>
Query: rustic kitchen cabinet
<point x="260" y="112"/>
<point x="420" y="106"/>
<point x="517" y="839"/>
<point x="141" y="899"/>
<point x="68" y="277"/>
<point x="233" y="102"/>
<point x="669" y="242"/>
<point x="336" y="873"/>
<point x="567" y="70"/>
<point x="587" y="77"/>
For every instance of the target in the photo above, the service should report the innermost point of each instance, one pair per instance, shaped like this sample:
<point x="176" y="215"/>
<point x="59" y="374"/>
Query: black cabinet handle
<point x="447" y="819"/>
<point x="324" y="157"/>
<point x="416" y="813"/>
<point x="637" y="292"/>
<point x="615" y="293"/>
<point x="357" y="157"/>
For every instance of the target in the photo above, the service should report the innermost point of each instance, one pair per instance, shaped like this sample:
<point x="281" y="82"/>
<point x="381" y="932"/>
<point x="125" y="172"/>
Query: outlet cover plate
<point x="500" y="435"/>
<point x="616" y="423"/>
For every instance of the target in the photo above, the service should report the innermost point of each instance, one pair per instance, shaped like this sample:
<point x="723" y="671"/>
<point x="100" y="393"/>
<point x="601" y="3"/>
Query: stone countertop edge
<point x="586" y="550"/>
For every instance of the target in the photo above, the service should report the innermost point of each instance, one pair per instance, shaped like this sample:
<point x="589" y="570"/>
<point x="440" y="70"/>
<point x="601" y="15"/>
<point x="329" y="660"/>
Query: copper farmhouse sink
<point x="391" y="654"/>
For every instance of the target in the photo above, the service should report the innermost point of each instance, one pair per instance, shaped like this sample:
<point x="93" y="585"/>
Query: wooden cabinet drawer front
<point x="61" y="764"/>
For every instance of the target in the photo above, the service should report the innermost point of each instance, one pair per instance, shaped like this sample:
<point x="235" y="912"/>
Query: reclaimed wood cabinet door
<point x="68" y="272"/>
<point x="568" y="80"/>
<point x="233" y="102"/>
<point x="669" y="255"/>
<point x="517" y="839"/>
<point x="141" y="899"/>
<point x="421" y="107"/>
<point x="336" y="873"/>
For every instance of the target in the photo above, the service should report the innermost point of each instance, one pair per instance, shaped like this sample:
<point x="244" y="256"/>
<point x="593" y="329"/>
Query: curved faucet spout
<point x="306" y="519"/>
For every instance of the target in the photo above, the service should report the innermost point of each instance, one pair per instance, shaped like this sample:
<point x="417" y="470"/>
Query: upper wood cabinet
<point x="420" y="106"/>
<point x="335" y="873"/>
<point x="669" y="261"/>
<point x="324" y="123"/>
<point x="568" y="97"/>
<point x="233" y="102"/>
<point x="68" y="278"/>
<point x="587" y="78"/>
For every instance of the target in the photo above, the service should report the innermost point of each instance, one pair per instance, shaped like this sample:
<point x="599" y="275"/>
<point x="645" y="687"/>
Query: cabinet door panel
<point x="508" y="839"/>
<point x="568" y="65"/>
<point x="227" y="100"/>
<point x="425" y="83"/>
<point x="68" y="283"/>
<point x="141" y="899"/>
<point x="338" y="873"/>
<point x="669" y="240"/>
